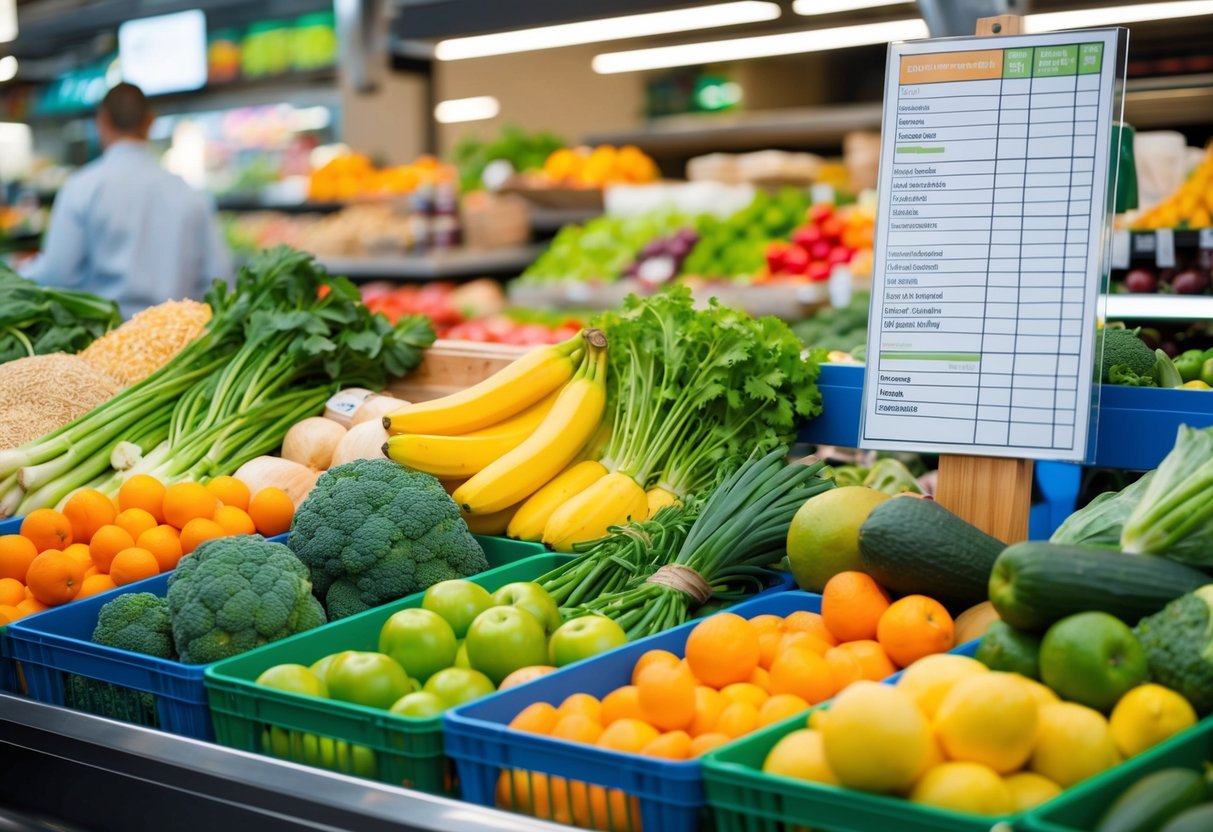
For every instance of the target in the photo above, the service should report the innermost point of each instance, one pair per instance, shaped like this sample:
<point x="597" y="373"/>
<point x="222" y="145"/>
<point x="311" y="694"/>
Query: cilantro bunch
<point x="275" y="349"/>
<point x="36" y="321"/>
<point x="694" y="392"/>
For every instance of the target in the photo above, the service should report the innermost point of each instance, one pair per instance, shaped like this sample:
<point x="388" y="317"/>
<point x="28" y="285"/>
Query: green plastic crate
<point x="742" y="798"/>
<point x="340" y="736"/>
<point x="1080" y="808"/>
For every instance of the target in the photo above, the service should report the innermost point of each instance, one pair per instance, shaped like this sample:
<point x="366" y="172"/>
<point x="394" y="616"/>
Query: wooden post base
<point x="992" y="493"/>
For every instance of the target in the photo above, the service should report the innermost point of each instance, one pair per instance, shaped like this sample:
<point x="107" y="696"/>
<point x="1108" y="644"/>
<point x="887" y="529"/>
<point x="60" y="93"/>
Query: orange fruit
<point x="198" y="531"/>
<point x="133" y="564"/>
<point x="272" y="511"/>
<point x="709" y="704"/>
<point x="95" y="584"/>
<point x="135" y="521"/>
<point x="12" y="592"/>
<point x="188" y="501"/>
<point x="88" y="510"/>
<point x="577" y="728"/>
<point x="230" y="491"/>
<point x="524" y="791"/>
<point x="766" y="623"/>
<point x="164" y="542"/>
<point x="779" y="707"/>
<point x="761" y="678"/>
<point x="234" y="520"/>
<point x="667" y="695"/>
<point x="672" y="745"/>
<point x="54" y="578"/>
<point x="737" y="720"/>
<point x="723" y="649"/>
<point x="799" y="639"/>
<point x="9" y="613"/>
<point x="107" y="542"/>
<point x="47" y="529"/>
<point x="536" y="718"/>
<point x="913" y="627"/>
<point x="803" y="621"/>
<point x="704" y="743"/>
<point x="145" y="492"/>
<point x="16" y="554"/>
<point x="30" y="606"/>
<point x="621" y="703"/>
<point x="80" y="552"/>
<point x="851" y="606"/>
<point x="628" y="735"/>
<point x="609" y="809"/>
<point x="583" y="704"/>
<point x="652" y="657"/>
<point x="745" y="692"/>
<point x="92" y="570"/>
<point x="845" y="668"/>
<point x="802" y="673"/>
<point x="873" y="661"/>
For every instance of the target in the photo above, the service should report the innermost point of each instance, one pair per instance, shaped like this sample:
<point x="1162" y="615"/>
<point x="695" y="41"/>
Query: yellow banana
<point x="546" y="452"/>
<point x="658" y="498"/>
<point x="533" y="514"/>
<point x="503" y="394"/>
<point x="495" y="523"/>
<point x="609" y="501"/>
<point x="462" y="456"/>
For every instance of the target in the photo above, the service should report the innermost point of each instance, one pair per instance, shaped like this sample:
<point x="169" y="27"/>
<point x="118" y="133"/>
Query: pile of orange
<point x="96" y="544"/>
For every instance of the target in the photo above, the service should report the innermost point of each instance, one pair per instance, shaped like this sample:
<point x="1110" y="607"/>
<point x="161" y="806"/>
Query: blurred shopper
<point x="124" y="227"/>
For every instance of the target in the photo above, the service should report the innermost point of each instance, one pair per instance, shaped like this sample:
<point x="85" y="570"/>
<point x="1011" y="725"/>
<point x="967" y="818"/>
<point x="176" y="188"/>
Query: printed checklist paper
<point x="990" y="233"/>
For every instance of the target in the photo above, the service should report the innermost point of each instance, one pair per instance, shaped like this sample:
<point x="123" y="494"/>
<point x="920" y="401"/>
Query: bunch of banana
<point x="500" y="441"/>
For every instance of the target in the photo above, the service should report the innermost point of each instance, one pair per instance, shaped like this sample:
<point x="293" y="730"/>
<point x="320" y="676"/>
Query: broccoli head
<point x="232" y="594"/>
<point x="1179" y="647"/>
<point x="139" y="622"/>
<point x="372" y="531"/>
<point x="1123" y="349"/>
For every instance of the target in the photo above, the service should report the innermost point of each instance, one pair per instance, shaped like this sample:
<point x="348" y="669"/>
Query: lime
<point x="1010" y="650"/>
<point x="1147" y="715"/>
<point x="1093" y="659"/>
<point x="823" y="539"/>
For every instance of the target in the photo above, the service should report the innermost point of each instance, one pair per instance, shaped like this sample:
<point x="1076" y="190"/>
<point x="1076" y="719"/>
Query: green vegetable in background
<point x="1179" y="647"/>
<point x="1165" y="374"/>
<point x="372" y="531"/>
<point x="232" y="594"/>
<point x="1121" y="374"/>
<point x="891" y="477"/>
<point x="1101" y="521"/>
<point x="1206" y="371"/>
<point x="524" y="151"/>
<point x="1175" y="515"/>
<point x="842" y="329"/>
<point x="36" y="321"/>
<point x="736" y="247"/>
<point x="1122" y="348"/>
<point x="602" y="248"/>
<point x="139" y="622"/>
<point x="1189" y="364"/>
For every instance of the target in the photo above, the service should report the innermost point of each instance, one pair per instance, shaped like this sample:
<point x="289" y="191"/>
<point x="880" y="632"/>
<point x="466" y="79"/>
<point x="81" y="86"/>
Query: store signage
<point x="992" y="243"/>
<point x="164" y="54"/>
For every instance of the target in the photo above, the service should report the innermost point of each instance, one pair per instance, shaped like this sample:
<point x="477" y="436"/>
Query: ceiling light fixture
<point x="456" y="110"/>
<point x="761" y="46"/>
<point x="8" y="68"/>
<point x="812" y="7"/>
<point x="1113" y="15"/>
<point x="610" y="28"/>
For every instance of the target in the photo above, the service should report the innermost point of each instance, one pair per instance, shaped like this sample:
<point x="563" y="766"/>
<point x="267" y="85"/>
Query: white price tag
<point x="841" y="283"/>
<point x="1164" y="248"/>
<point x="1206" y="238"/>
<point x="822" y="193"/>
<point x="1120" y="249"/>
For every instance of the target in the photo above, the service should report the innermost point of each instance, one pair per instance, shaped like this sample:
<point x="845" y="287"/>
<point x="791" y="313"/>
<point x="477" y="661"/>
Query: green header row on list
<point x="1052" y="61"/>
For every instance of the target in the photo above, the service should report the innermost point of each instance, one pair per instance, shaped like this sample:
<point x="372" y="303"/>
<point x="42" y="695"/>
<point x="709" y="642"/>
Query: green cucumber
<point x="1153" y="800"/>
<point x="915" y="546"/>
<point x="1036" y="584"/>
<point x="1196" y="819"/>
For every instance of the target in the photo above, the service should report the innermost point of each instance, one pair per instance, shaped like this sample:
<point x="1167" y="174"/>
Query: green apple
<point x="1092" y="658"/>
<point x="532" y="598"/>
<point x="457" y="685"/>
<point x="461" y="655"/>
<point x="419" y="705"/>
<point x="420" y="641"/>
<point x="294" y="678"/>
<point x="458" y="602"/>
<point x="371" y="679"/>
<point x="583" y="637"/>
<point x="321" y="666"/>
<point x="504" y="639"/>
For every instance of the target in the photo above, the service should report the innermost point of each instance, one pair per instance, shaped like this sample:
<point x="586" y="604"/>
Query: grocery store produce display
<point x="1191" y="206"/>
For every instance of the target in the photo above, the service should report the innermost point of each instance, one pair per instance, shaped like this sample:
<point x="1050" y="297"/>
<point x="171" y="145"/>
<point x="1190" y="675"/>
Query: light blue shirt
<point x="126" y="229"/>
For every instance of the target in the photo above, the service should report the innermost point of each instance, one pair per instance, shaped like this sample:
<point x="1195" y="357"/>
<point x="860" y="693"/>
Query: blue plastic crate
<point x="55" y="646"/>
<point x="661" y="795"/>
<point x="10" y="677"/>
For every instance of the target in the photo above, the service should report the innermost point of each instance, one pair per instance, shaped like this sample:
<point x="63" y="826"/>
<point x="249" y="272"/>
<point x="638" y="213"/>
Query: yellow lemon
<point x="1043" y="694"/>
<point x="1029" y="790"/>
<point x="964" y="787"/>
<point x="875" y="738"/>
<point x="989" y="718"/>
<point x="800" y="754"/>
<point x="930" y="678"/>
<point x="1073" y="742"/>
<point x="1147" y="715"/>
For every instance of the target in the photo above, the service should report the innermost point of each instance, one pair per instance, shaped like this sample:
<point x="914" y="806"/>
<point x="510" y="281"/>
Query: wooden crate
<point x="451" y="366"/>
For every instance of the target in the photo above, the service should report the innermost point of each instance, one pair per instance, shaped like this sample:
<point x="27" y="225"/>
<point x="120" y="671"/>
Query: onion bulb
<point x="265" y="471"/>
<point x="375" y="408"/>
<point x="311" y="442"/>
<point x="364" y="441"/>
